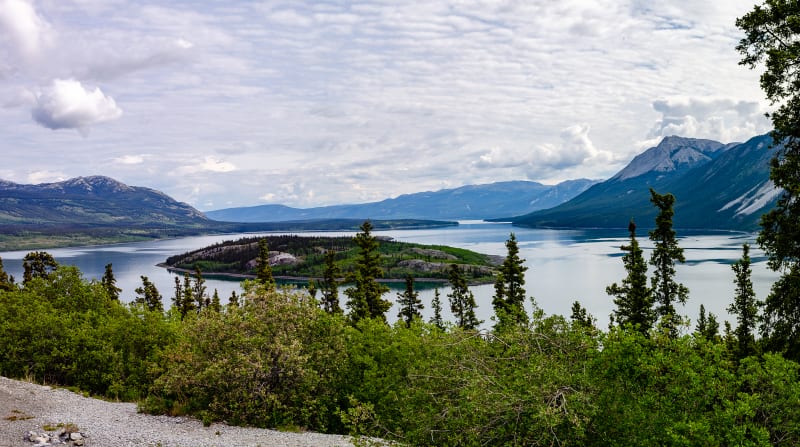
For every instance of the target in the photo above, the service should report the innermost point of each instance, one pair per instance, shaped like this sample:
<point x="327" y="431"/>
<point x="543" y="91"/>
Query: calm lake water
<point x="563" y="265"/>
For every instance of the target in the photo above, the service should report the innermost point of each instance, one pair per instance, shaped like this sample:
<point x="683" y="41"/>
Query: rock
<point x="75" y="436"/>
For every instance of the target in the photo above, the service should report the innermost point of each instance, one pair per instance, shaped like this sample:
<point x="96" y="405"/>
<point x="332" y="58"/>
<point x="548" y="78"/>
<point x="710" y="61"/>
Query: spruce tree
<point x="634" y="299"/>
<point x="707" y="326"/>
<point x="199" y="289"/>
<point x="666" y="252"/>
<point x="215" y="304"/>
<point x="772" y="42"/>
<point x="233" y="301"/>
<point x="509" y="297"/>
<point x="436" y="305"/>
<point x="330" y="284"/>
<point x="581" y="317"/>
<point x="177" y="299"/>
<point x="187" y="303"/>
<point x="110" y="283"/>
<point x="410" y="304"/>
<point x="148" y="295"/>
<point x="366" y="295"/>
<point x="263" y="269"/>
<point x="462" y="301"/>
<point x="745" y="305"/>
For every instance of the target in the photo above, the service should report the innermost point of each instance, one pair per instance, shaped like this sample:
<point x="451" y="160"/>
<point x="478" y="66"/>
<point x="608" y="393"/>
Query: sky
<point x="308" y="103"/>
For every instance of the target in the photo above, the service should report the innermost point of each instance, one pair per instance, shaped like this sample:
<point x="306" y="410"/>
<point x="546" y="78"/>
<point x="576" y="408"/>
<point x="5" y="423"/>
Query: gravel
<point x="29" y="407"/>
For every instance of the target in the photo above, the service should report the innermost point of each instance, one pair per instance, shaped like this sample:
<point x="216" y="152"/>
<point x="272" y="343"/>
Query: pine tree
<point x="462" y="301"/>
<point x="581" y="317"/>
<point x="707" y="326"/>
<point x="330" y="284"/>
<point x="745" y="305"/>
<point x="772" y="42"/>
<point x="634" y="299"/>
<point x="177" y="299"/>
<point x="366" y="296"/>
<point x="263" y="269"/>
<point x="110" y="283"/>
<point x="666" y="253"/>
<point x="410" y="304"/>
<point x="148" y="295"/>
<point x="187" y="303"/>
<point x="233" y="301"/>
<point x="436" y="305"/>
<point x="509" y="297"/>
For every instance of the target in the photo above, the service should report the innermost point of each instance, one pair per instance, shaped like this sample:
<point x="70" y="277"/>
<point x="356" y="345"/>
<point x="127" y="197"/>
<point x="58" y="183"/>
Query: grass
<point x="17" y="415"/>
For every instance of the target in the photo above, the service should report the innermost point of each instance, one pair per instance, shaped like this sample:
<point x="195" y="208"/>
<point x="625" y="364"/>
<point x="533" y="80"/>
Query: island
<point x="300" y="258"/>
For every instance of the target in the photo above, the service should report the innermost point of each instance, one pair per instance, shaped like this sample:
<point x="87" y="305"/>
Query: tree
<point x="509" y="296"/>
<point x="634" y="299"/>
<point x="37" y="264"/>
<point x="581" y="316"/>
<point x="410" y="304"/>
<point x="199" y="289"/>
<point x="366" y="295"/>
<point x="109" y="283"/>
<point x="177" y="299"/>
<point x="462" y="301"/>
<point x="330" y="284"/>
<point x="745" y="305"/>
<point x="771" y="40"/>
<point x="707" y="326"/>
<point x="436" y="305"/>
<point x="665" y="253"/>
<point x="263" y="269"/>
<point x="6" y="281"/>
<point x="187" y="303"/>
<point x="233" y="301"/>
<point x="148" y="295"/>
<point x="215" y="304"/>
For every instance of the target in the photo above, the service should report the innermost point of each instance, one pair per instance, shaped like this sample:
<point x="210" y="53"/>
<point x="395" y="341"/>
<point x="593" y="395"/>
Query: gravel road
<point x="28" y="407"/>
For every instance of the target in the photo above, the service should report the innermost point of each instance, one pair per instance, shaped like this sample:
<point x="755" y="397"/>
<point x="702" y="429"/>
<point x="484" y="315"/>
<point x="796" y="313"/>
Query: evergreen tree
<point x="233" y="301"/>
<point x="37" y="264"/>
<point x="745" y="305"/>
<point x="187" y="303"/>
<point x="509" y="297"/>
<point x="436" y="305"/>
<point x="462" y="301"/>
<point x="148" y="295"/>
<point x="110" y="283"/>
<point x="330" y="284"/>
<point x="665" y="253"/>
<point x="707" y="326"/>
<point x="263" y="269"/>
<point x="581" y="316"/>
<point x="634" y="300"/>
<point x="199" y="289"/>
<point x="365" y="298"/>
<point x="410" y="304"/>
<point x="6" y="282"/>
<point x="177" y="299"/>
<point x="772" y="41"/>
<point x="215" y="305"/>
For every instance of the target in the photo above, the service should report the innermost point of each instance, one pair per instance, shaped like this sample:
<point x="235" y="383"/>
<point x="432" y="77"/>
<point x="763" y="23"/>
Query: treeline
<point x="295" y="359"/>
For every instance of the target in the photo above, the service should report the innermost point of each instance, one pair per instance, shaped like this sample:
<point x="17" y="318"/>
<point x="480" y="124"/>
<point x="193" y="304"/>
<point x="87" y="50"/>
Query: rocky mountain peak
<point x="671" y="154"/>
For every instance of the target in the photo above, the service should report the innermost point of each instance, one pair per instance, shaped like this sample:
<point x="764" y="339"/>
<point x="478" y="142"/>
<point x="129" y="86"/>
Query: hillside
<point x="464" y="203"/>
<point x="716" y="186"/>
<point x="293" y="256"/>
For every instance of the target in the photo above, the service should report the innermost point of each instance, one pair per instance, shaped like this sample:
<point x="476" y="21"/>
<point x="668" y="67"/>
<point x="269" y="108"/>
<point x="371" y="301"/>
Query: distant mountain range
<point x="473" y="202"/>
<point x="94" y="200"/>
<point x="716" y="186"/>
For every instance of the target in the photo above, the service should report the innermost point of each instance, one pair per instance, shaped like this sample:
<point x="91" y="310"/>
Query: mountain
<point x="716" y="186"/>
<point x="466" y="202"/>
<point x="92" y="201"/>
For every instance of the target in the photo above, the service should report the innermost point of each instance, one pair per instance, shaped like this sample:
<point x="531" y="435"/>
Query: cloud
<point x="66" y="104"/>
<point x="209" y="164"/>
<point x="722" y="119"/>
<point x="130" y="159"/>
<point x="23" y="29"/>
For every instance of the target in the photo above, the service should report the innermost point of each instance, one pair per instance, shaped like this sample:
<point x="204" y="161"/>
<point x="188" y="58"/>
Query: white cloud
<point x="130" y="159"/>
<point x="37" y="177"/>
<point x="23" y="28"/>
<point x="722" y="119"/>
<point x="209" y="164"/>
<point x="66" y="104"/>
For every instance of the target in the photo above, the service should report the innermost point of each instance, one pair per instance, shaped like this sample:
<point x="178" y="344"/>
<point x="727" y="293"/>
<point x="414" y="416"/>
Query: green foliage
<point x="410" y="304"/>
<point x="771" y="41"/>
<point x="37" y="264"/>
<point x="147" y="295"/>
<point x="745" y="305"/>
<point x="263" y="269"/>
<point x="462" y="301"/>
<point x="509" y="297"/>
<point x="436" y="305"/>
<point x="666" y="291"/>
<point x="330" y="284"/>
<point x="365" y="297"/>
<point x="634" y="299"/>
<point x="109" y="283"/>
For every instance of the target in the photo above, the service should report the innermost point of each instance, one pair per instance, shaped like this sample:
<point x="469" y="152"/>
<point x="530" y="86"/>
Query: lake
<point x="563" y="266"/>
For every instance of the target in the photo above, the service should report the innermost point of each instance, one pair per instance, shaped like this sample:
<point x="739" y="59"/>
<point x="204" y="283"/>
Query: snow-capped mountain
<point x="720" y="186"/>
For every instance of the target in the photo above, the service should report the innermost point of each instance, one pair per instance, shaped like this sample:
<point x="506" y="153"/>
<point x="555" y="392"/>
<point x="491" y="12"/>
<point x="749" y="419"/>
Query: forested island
<point x="304" y="257"/>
